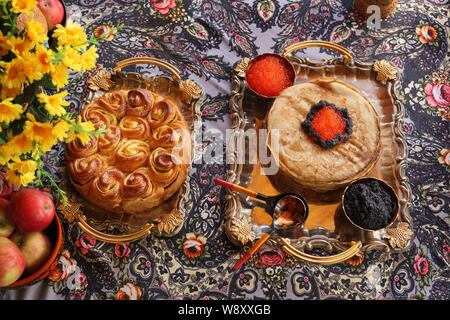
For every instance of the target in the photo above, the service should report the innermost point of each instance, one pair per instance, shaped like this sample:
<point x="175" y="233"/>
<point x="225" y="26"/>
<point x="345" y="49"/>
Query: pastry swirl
<point x="140" y="160"/>
<point x="115" y="102"/>
<point x="163" y="112"/>
<point x="107" y="187"/>
<point x="163" y="166"/>
<point x="83" y="170"/>
<point x="99" y="116"/>
<point x="140" y="102"/>
<point x="76" y="148"/>
<point x="137" y="184"/>
<point x="133" y="127"/>
<point x="109" y="140"/>
<point x="165" y="136"/>
<point x="131" y="154"/>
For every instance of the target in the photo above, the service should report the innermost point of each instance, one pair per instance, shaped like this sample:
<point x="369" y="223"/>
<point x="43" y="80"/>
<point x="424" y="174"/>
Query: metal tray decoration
<point x="166" y="219"/>
<point x="326" y="227"/>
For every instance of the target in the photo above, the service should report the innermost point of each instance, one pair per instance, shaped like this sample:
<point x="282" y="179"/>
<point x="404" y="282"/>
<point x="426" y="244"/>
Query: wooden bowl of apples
<point x="31" y="238"/>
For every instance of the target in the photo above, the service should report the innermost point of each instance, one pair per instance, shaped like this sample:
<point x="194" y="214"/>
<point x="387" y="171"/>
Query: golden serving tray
<point x="166" y="219"/>
<point x="326" y="226"/>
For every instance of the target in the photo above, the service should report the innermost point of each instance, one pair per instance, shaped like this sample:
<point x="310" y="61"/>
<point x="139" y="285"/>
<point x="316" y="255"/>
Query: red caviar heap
<point x="328" y="125"/>
<point x="269" y="75"/>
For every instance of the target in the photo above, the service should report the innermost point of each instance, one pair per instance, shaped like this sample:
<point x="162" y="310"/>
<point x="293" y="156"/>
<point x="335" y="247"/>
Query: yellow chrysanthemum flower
<point x="9" y="111"/>
<point x="38" y="131"/>
<point x="72" y="59"/>
<point x="5" y="154"/>
<point x="19" y="179"/>
<point x="61" y="130"/>
<point x="54" y="104"/>
<point x="4" y="47"/>
<point x="19" y="45"/>
<point x="44" y="58"/>
<point x="60" y="75"/>
<point x="71" y="35"/>
<point x="13" y="76"/>
<point x="84" y="137"/>
<point x="23" y="166"/>
<point x="25" y="6"/>
<point x="88" y="58"/>
<point x="10" y="92"/>
<point x="20" y="144"/>
<point x="35" y="31"/>
<point x="31" y="67"/>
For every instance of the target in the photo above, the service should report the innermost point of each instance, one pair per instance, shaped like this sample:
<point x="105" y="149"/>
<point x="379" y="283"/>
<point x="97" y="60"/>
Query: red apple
<point x="6" y="228"/>
<point x="53" y="11"/>
<point x="30" y="210"/>
<point x="12" y="262"/>
<point x="36" y="249"/>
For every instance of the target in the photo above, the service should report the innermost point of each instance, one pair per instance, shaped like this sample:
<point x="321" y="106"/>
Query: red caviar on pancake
<point x="328" y="125"/>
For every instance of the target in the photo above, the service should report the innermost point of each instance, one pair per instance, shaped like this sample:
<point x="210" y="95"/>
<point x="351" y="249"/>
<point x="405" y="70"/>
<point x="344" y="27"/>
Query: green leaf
<point x="17" y="125"/>
<point x="39" y="112"/>
<point x="28" y="94"/>
<point x="93" y="39"/>
<point x="46" y="82"/>
<point x="57" y="56"/>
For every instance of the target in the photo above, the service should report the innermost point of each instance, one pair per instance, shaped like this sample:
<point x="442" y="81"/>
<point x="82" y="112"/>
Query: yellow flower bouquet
<point x="34" y="69"/>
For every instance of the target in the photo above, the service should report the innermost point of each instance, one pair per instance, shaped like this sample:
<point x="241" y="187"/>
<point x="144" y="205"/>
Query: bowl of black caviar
<point x="370" y="204"/>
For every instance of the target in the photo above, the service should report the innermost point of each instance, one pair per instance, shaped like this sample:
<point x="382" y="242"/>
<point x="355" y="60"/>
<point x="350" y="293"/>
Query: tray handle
<point x="340" y="257"/>
<point x="82" y="223"/>
<point x="318" y="43"/>
<point x="146" y="60"/>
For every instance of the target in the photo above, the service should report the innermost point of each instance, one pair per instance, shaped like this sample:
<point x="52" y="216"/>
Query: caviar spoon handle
<point x="251" y="251"/>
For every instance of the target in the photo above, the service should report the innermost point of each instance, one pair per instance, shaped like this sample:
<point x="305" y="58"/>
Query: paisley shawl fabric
<point x="204" y="38"/>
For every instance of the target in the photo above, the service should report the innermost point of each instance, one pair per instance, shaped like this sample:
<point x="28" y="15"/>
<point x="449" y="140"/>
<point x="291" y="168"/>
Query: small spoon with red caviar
<point x="287" y="209"/>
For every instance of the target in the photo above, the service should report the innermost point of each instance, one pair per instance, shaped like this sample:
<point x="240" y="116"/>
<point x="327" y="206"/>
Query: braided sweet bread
<point x="141" y="159"/>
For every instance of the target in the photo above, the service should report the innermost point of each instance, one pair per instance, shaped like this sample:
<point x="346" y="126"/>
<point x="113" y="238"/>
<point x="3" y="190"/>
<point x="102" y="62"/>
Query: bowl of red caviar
<point x="268" y="74"/>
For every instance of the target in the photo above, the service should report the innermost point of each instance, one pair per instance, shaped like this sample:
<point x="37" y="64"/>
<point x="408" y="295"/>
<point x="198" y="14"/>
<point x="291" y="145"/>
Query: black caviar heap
<point x="368" y="205"/>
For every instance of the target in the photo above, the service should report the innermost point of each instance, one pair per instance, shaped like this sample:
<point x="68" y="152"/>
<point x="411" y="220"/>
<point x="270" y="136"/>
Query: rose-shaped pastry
<point x="99" y="116"/>
<point x="76" y="149"/>
<point x="131" y="154"/>
<point x="140" y="102"/>
<point x="139" y="192"/>
<point x="83" y="170"/>
<point x="165" y="136"/>
<point x="115" y="102"/>
<point x="163" y="166"/>
<point x="109" y="140"/>
<point x="163" y="112"/>
<point x="137" y="184"/>
<point x="182" y="150"/>
<point x="133" y="127"/>
<point x="105" y="189"/>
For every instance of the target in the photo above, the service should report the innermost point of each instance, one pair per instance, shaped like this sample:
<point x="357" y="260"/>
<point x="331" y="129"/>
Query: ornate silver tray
<point x="326" y="226"/>
<point x="168" y="218"/>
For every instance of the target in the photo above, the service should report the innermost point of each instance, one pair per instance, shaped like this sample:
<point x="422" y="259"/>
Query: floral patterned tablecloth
<point x="204" y="38"/>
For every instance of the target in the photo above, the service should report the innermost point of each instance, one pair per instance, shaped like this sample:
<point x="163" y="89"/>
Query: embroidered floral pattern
<point x="204" y="39"/>
<point x="193" y="245"/>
